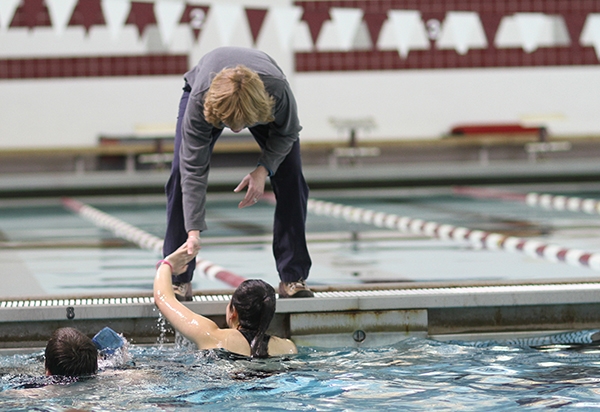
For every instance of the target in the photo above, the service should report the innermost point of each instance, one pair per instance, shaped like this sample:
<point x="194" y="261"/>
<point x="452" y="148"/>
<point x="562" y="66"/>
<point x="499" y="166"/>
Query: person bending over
<point x="239" y="88"/>
<point x="70" y="353"/>
<point x="248" y="314"/>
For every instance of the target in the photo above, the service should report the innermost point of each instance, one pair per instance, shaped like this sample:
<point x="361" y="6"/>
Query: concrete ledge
<point x="334" y="317"/>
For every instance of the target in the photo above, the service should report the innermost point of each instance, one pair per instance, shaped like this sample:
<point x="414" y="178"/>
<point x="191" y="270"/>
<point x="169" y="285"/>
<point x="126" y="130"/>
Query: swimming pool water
<point x="412" y="375"/>
<point x="62" y="254"/>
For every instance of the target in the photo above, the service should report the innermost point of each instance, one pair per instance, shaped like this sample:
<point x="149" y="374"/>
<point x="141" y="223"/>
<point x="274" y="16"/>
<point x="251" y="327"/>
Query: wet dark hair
<point x="254" y="300"/>
<point x="71" y="353"/>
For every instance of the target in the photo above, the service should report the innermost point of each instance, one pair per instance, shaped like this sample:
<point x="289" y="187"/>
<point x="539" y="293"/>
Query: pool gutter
<point x="369" y="317"/>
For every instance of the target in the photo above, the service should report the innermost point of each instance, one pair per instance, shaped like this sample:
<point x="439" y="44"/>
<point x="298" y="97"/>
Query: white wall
<point x="427" y="103"/>
<point x="404" y="104"/>
<point x="74" y="112"/>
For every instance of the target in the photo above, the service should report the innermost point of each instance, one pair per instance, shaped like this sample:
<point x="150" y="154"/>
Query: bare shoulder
<point x="281" y="346"/>
<point x="231" y="340"/>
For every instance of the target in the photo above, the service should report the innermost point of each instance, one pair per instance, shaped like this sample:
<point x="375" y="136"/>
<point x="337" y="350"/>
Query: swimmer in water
<point x="248" y="314"/>
<point x="70" y="353"/>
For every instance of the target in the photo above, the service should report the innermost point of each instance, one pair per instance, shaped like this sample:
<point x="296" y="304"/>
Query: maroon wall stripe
<point x="443" y="59"/>
<point x="100" y="66"/>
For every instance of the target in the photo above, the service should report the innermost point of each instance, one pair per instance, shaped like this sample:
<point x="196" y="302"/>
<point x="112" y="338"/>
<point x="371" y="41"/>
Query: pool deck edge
<point x="335" y="317"/>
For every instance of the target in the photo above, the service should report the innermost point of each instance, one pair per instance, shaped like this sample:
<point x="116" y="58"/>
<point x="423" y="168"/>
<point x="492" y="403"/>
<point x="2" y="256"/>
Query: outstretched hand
<point x="193" y="242"/>
<point x="255" y="182"/>
<point x="179" y="259"/>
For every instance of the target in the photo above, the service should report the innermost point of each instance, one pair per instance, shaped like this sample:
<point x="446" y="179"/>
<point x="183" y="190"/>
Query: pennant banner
<point x="462" y="30"/>
<point x="168" y="14"/>
<point x="228" y="17"/>
<point x="531" y="31"/>
<point x="340" y="32"/>
<point x="286" y="20"/>
<point x="347" y="23"/>
<point x="115" y="14"/>
<point x="297" y="28"/>
<point x="590" y="35"/>
<point x="60" y="13"/>
<point x="530" y="27"/>
<point x="404" y="30"/>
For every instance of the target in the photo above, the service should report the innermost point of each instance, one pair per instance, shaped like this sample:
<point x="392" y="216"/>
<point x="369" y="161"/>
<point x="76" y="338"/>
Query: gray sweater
<point x="196" y="131"/>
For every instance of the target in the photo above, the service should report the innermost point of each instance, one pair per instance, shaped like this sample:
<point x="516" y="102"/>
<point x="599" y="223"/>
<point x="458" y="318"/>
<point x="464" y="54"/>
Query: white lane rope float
<point x="533" y="199"/>
<point x="563" y="203"/>
<point x="145" y="240"/>
<point x="489" y="240"/>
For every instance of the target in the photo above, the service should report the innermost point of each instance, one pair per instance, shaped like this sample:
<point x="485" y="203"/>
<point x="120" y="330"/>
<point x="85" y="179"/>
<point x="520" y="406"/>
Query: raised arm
<point x="197" y="328"/>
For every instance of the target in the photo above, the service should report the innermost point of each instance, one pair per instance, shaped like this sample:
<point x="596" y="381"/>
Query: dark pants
<point x="290" y="189"/>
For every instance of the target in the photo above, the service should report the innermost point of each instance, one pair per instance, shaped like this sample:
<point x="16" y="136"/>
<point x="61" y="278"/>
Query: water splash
<point x="118" y="359"/>
<point x="163" y="329"/>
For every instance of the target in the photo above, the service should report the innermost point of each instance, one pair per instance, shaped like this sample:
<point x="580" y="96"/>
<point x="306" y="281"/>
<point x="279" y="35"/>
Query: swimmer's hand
<point x="193" y="242"/>
<point x="179" y="259"/>
<point x="255" y="182"/>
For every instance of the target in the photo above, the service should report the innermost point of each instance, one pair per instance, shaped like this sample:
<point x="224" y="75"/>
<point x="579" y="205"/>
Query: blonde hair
<point x="237" y="98"/>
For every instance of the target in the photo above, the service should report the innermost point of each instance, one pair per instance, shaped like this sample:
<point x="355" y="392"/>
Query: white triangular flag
<point x="462" y="30"/>
<point x="60" y="13"/>
<point x="590" y="35"/>
<point x="560" y="32"/>
<point x="387" y="38"/>
<point x="227" y="17"/>
<point x="530" y="27"/>
<point x="409" y="31"/>
<point x="547" y="36"/>
<point x="285" y="19"/>
<point x="507" y="35"/>
<point x="301" y="38"/>
<point x="362" y="40"/>
<point x="7" y="12"/>
<point x="346" y="21"/>
<point x="115" y="14"/>
<point x="339" y="33"/>
<point x="168" y="14"/>
<point x="328" y="37"/>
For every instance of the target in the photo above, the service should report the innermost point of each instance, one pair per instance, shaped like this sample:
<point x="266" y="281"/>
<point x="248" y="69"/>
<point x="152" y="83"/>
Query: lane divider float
<point x="533" y="199"/>
<point x="563" y="203"/>
<point x="145" y="240"/>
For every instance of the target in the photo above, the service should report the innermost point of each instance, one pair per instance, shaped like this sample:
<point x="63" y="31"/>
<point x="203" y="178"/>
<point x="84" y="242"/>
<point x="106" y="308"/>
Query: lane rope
<point x="145" y="240"/>
<point x="489" y="240"/>
<point x="563" y="203"/>
<point x="533" y="199"/>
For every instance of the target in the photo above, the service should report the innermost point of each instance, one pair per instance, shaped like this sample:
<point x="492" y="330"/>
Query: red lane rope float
<point x="489" y="240"/>
<point x="534" y="199"/>
<point x="145" y="240"/>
